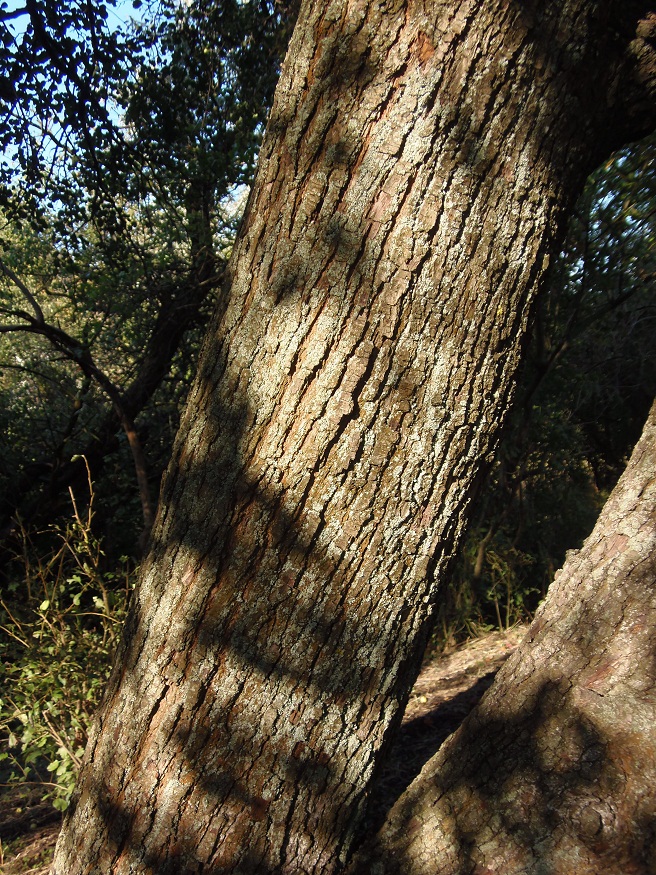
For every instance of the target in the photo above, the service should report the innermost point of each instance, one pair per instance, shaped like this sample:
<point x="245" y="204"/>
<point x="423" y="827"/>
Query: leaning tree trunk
<point x="555" y="770"/>
<point x="416" y="170"/>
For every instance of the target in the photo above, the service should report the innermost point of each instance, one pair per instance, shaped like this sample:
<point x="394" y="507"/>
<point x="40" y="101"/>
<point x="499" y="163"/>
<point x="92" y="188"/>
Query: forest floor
<point x="449" y="686"/>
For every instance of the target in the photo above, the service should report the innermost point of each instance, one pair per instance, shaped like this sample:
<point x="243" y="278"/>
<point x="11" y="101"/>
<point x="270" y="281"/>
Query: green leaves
<point x="54" y="656"/>
<point x="60" y="61"/>
<point x="120" y="207"/>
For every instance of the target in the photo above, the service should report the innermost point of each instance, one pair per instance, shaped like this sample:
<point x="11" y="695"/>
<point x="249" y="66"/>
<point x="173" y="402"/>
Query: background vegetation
<point x="128" y="149"/>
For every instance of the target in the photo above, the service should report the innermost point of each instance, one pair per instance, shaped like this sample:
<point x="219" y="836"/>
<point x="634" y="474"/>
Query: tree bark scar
<point x="422" y="48"/>
<point x="596" y="681"/>
<point x="616" y="545"/>
<point x="259" y="808"/>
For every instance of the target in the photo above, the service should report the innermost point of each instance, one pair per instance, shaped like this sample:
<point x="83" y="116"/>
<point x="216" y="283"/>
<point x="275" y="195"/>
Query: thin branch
<point x="9" y="632"/>
<point x="32" y="371"/>
<point x="77" y="762"/>
<point x="18" y="282"/>
<point x="5" y="329"/>
<point x="13" y="14"/>
<point x="78" y="353"/>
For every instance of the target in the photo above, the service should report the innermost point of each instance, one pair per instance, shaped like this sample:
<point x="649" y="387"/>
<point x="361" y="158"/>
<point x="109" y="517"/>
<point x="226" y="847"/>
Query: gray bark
<point x="555" y="770"/>
<point x="417" y="168"/>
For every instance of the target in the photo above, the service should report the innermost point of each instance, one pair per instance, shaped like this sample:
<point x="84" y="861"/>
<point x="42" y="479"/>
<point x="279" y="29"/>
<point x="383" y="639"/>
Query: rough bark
<point x="555" y="771"/>
<point x="416" y="170"/>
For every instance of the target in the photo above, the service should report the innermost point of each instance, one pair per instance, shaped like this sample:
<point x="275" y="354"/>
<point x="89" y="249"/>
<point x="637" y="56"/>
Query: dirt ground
<point x="28" y="831"/>
<point x="449" y="686"/>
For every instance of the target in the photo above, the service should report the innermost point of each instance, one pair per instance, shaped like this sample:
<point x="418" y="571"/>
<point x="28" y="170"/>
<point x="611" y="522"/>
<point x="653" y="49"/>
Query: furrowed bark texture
<point x="555" y="771"/>
<point x="416" y="169"/>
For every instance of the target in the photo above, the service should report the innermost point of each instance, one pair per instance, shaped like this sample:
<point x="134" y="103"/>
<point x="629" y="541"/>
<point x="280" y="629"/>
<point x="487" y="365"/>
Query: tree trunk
<point x="416" y="171"/>
<point x="555" y="771"/>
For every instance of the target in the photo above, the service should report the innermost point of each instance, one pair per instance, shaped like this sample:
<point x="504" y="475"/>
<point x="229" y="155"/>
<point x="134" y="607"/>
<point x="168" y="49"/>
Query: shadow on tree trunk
<point x="554" y="771"/>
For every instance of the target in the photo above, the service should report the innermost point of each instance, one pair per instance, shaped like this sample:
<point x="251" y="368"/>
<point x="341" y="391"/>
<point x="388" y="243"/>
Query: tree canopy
<point x="127" y="151"/>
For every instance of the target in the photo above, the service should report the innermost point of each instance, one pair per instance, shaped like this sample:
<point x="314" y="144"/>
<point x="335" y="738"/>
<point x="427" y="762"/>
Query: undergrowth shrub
<point x="59" y="623"/>
<point x="492" y="586"/>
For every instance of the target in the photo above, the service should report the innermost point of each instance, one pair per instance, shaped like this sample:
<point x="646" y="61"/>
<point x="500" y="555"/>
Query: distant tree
<point x="59" y="64"/>
<point x="130" y="182"/>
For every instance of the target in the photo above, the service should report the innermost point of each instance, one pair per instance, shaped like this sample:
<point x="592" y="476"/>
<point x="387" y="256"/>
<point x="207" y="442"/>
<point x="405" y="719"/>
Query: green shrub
<point x="58" y="627"/>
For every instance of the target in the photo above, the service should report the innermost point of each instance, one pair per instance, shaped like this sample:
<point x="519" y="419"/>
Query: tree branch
<point x="13" y="14"/>
<point x="20" y="285"/>
<point x="79" y="353"/>
<point x="5" y="329"/>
